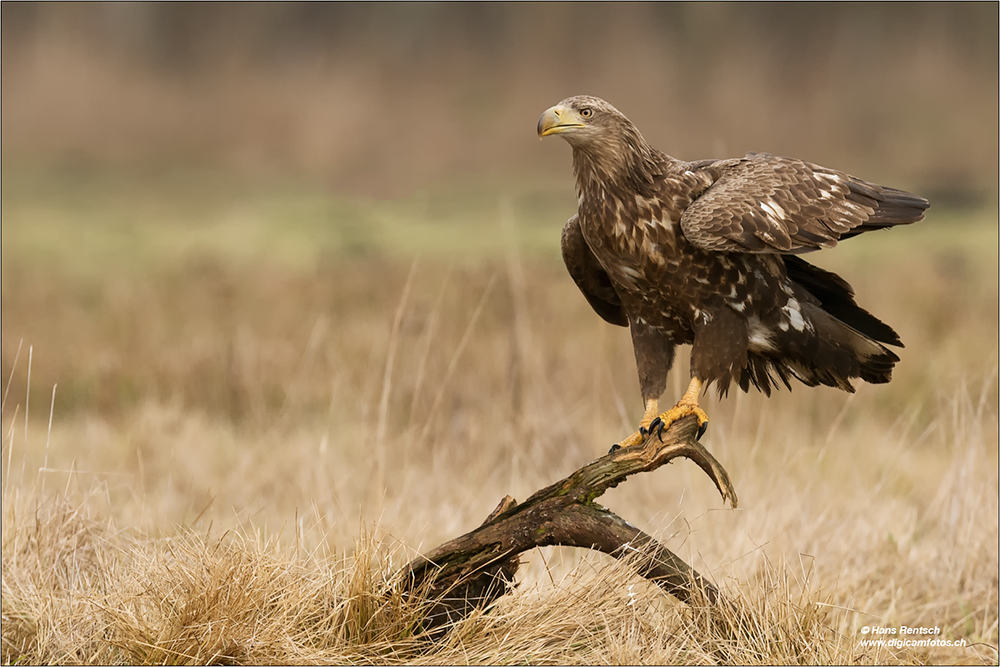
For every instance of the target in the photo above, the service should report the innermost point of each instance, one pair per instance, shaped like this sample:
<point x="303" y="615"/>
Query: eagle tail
<point x="846" y="341"/>
<point x="832" y="356"/>
<point x="836" y="297"/>
<point x="838" y="352"/>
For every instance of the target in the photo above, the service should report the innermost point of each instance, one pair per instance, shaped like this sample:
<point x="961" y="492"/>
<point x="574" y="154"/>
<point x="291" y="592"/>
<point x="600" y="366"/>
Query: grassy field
<point x="234" y="409"/>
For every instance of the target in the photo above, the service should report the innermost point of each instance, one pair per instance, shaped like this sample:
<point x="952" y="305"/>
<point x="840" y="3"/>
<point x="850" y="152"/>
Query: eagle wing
<point x="765" y="204"/>
<point x="590" y="276"/>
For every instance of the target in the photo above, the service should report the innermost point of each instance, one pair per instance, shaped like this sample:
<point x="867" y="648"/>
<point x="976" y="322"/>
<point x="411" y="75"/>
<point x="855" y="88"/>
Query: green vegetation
<point x="112" y="220"/>
<point x="120" y="221"/>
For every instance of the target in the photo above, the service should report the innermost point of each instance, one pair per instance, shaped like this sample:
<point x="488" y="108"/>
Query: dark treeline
<point x="187" y="36"/>
<point x="907" y="90"/>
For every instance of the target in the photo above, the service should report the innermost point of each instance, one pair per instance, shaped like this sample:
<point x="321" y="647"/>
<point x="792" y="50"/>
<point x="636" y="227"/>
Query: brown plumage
<point x="706" y="253"/>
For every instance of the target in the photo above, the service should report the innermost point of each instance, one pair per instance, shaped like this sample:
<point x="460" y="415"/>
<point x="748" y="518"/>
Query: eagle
<point x="709" y="253"/>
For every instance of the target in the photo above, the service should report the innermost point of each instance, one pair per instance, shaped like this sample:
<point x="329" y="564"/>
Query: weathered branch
<point x="475" y="569"/>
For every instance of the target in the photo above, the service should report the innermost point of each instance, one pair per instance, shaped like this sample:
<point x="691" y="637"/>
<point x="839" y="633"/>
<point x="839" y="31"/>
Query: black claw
<point x="656" y="426"/>
<point x="701" y="430"/>
<point x="614" y="448"/>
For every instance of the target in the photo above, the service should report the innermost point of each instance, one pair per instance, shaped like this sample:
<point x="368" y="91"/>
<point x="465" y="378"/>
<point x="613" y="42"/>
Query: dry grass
<point x="243" y="452"/>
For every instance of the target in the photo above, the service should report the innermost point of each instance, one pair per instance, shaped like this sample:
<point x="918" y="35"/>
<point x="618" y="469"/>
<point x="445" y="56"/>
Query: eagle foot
<point x="679" y="411"/>
<point x="614" y="448"/>
<point x="658" y="426"/>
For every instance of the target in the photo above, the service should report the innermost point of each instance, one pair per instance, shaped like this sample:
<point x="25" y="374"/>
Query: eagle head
<point x="606" y="145"/>
<point x="583" y="121"/>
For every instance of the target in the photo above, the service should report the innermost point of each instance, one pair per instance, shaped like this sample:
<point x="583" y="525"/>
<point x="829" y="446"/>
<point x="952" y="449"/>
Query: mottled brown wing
<point x="589" y="275"/>
<point x="764" y="203"/>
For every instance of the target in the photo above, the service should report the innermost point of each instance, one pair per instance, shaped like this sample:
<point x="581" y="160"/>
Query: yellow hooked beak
<point x="558" y="119"/>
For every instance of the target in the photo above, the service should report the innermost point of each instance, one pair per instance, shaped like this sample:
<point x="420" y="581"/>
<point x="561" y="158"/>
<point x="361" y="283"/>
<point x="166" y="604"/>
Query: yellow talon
<point x="688" y="405"/>
<point x="682" y="410"/>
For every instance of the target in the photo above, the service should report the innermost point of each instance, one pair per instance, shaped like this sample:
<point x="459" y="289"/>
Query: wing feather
<point x="590" y="276"/>
<point x="766" y="204"/>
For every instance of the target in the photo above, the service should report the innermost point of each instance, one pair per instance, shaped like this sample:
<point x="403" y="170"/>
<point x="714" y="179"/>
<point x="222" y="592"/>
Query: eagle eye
<point x="586" y="112"/>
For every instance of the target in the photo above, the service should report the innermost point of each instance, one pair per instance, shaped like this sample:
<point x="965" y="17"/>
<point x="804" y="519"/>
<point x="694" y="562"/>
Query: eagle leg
<point x="688" y="405"/>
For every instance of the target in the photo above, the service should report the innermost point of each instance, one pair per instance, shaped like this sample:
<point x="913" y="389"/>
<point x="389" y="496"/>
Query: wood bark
<point x="472" y="571"/>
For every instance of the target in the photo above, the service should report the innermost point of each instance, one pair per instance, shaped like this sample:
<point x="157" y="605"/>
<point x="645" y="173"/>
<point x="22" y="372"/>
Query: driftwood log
<point x="472" y="571"/>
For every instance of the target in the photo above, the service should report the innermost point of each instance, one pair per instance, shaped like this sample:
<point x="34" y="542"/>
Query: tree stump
<point x="472" y="571"/>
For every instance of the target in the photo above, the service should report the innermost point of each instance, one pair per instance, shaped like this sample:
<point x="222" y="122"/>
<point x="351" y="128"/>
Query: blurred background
<point x="383" y="99"/>
<point x="241" y="228"/>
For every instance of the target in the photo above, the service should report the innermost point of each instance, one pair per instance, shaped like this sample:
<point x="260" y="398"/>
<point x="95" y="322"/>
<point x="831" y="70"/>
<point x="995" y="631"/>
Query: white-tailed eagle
<point x="707" y="253"/>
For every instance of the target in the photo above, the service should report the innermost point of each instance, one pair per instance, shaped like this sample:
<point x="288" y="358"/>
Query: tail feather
<point x="851" y="352"/>
<point x="832" y="356"/>
<point x="846" y="341"/>
<point x="836" y="297"/>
